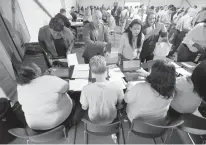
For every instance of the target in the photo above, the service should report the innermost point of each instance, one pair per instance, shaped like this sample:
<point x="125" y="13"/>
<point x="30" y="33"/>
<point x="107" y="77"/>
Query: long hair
<point x="199" y="79"/>
<point x="163" y="78"/>
<point x="129" y="32"/>
<point x="146" y="24"/>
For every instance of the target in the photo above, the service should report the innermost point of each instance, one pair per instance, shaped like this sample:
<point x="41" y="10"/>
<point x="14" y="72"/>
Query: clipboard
<point x="131" y="65"/>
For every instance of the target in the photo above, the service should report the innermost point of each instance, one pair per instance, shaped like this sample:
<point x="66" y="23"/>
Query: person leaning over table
<point x="96" y="38"/>
<point x="190" y="90"/>
<point x="131" y="42"/>
<point x="193" y="44"/>
<point x="44" y="99"/>
<point x="150" y="100"/>
<point x="56" y="39"/>
<point x="152" y="31"/>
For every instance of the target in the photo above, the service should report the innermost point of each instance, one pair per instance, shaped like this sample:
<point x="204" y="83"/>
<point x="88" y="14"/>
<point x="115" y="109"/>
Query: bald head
<point x="97" y="17"/>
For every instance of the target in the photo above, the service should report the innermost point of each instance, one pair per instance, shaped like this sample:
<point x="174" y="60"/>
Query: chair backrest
<point x="51" y="136"/>
<point x="154" y="128"/>
<point x="97" y="128"/>
<point x="34" y="137"/>
<point x="193" y="124"/>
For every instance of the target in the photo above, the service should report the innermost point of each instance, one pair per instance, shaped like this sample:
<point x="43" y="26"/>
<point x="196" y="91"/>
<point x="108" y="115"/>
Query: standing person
<point x="87" y="16"/>
<point x="55" y="39"/>
<point x="62" y="16"/>
<point x="131" y="42"/>
<point x="184" y="25"/>
<point x="114" y="12"/>
<point x="111" y="22"/>
<point x="152" y="31"/>
<point x="73" y="14"/>
<point x="123" y="18"/>
<point x="193" y="45"/>
<point x="166" y="17"/>
<point x="96" y="38"/>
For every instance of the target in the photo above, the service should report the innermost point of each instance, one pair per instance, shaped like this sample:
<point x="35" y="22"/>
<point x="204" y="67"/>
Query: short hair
<point x="27" y="72"/>
<point x="152" y="7"/>
<point x="56" y="24"/>
<point x="199" y="79"/>
<point x="98" y="64"/>
<point x="163" y="78"/>
<point x="96" y="12"/>
<point x="62" y="10"/>
<point x="73" y="7"/>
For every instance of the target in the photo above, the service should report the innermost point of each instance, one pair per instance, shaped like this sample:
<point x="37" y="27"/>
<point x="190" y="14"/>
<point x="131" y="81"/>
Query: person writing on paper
<point x="193" y="45"/>
<point x="44" y="99"/>
<point x="55" y="39"/>
<point x="152" y="31"/>
<point x="96" y="38"/>
<point x="131" y="42"/>
<point x="150" y="99"/>
<point x="100" y="98"/>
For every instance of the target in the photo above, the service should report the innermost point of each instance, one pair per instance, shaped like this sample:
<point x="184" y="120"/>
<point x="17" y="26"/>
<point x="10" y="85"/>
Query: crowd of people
<point x="141" y="29"/>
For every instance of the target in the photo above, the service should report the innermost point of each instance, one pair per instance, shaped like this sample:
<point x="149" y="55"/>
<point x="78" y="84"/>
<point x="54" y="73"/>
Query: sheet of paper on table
<point x="115" y="72"/>
<point x="189" y="64"/>
<point x="120" y="82"/>
<point x="183" y="72"/>
<point x="77" y="84"/>
<point x="80" y="74"/>
<point x="81" y="67"/>
<point x="72" y="59"/>
<point x="176" y="65"/>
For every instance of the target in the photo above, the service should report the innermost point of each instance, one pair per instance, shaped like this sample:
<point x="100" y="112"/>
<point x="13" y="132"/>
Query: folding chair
<point x="101" y="130"/>
<point x="56" y="135"/>
<point x="153" y="129"/>
<point x="194" y="125"/>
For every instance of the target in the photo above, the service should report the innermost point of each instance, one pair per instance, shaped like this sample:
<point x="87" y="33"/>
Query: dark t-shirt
<point x="60" y="47"/>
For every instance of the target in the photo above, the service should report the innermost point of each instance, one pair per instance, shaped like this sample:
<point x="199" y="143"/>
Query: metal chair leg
<point x="154" y="141"/>
<point x="167" y="139"/>
<point x="128" y="136"/>
<point x="85" y="137"/>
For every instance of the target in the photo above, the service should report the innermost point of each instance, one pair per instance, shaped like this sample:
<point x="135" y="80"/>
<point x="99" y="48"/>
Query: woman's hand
<point x="142" y="72"/>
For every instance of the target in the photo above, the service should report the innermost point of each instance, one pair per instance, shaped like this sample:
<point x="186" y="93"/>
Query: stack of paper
<point x="112" y="58"/>
<point x="176" y="66"/>
<point x="77" y="84"/>
<point x="81" y="71"/>
<point x="115" y="72"/>
<point x="72" y="59"/>
<point x="183" y="72"/>
<point x="119" y="82"/>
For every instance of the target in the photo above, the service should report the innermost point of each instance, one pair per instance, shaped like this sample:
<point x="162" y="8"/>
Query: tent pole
<point x="42" y="7"/>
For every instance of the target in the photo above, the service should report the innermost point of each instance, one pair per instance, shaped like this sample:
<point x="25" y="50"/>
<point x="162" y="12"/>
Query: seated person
<point x="96" y="37"/>
<point x="191" y="91"/>
<point x="194" y="44"/>
<point x="44" y="99"/>
<point x="101" y="97"/>
<point x="62" y="16"/>
<point x="150" y="100"/>
<point x="131" y="42"/>
<point x="55" y="39"/>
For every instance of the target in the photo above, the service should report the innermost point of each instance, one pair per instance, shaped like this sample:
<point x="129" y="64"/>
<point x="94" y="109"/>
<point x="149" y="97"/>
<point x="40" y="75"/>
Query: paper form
<point x="82" y="74"/>
<point x="77" y="84"/>
<point x="183" y="72"/>
<point x="176" y="66"/>
<point x="115" y="72"/>
<point x="82" y="67"/>
<point x="72" y="59"/>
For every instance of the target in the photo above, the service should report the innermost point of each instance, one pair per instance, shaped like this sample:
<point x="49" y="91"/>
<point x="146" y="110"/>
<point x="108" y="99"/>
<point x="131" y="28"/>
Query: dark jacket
<point x="94" y="44"/>
<point x="64" y="19"/>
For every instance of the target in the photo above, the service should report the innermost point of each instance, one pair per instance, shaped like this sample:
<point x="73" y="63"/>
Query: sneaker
<point x="114" y="138"/>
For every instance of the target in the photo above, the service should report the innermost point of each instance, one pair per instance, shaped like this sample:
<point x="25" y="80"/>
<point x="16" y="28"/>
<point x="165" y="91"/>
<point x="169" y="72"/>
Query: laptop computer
<point x="131" y="65"/>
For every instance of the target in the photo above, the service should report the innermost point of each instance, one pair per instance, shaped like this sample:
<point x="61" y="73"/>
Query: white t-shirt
<point x="100" y="98"/>
<point x="185" y="101"/>
<point x="143" y="101"/>
<point x="45" y="102"/>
